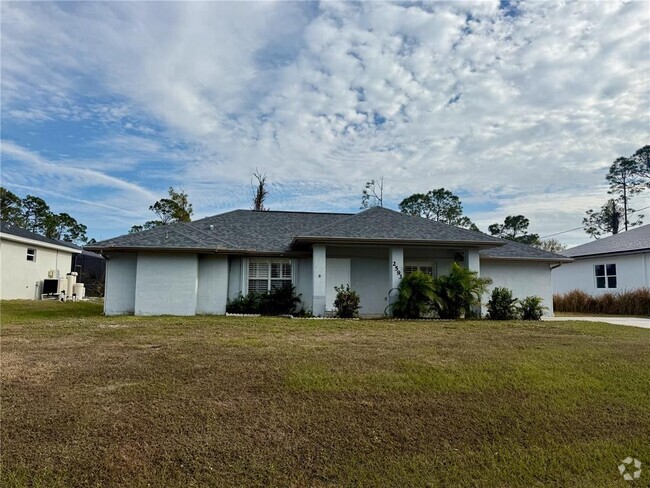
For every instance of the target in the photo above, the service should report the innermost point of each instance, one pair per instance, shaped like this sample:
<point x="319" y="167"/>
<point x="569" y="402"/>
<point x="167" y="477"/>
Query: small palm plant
<point x="458" y="292"/>
<point x="531" y="308"/>
<point x="416" y="295"/>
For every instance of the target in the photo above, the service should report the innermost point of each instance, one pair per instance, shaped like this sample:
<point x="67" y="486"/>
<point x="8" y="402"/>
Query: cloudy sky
<point x="516" y="107"/>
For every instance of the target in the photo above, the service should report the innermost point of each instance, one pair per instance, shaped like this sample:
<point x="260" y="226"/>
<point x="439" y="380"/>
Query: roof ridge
<point x="619" y="235"/>
<point x="275" y="211"/>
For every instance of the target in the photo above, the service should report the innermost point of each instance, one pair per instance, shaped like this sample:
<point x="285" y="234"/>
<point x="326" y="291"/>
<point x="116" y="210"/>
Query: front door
<point x="337" y="274"/>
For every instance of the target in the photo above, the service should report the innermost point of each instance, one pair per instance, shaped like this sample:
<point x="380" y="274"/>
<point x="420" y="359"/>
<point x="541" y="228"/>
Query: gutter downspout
<point x="552" y="267"/>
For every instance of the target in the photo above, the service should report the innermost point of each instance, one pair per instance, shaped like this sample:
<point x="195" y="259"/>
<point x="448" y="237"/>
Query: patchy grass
<point x="89" y="400"/>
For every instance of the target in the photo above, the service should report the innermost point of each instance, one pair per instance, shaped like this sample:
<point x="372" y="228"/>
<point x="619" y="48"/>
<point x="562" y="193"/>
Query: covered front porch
<point x="374" y="271"/>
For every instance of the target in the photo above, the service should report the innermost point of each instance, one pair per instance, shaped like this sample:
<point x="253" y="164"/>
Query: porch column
<point x="319" y="269"/>
<point x="473" y="263"/>
<point x="395" y="258"/>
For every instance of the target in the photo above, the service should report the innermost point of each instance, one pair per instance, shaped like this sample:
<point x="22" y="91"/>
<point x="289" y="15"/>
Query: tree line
<point x="443" y="206"/>
<point x="34" y="214"/>
<point x="626" y="177"/>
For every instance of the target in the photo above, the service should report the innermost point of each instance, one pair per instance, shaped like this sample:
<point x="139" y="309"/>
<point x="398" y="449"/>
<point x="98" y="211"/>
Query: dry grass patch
<point x="216" y="401"/>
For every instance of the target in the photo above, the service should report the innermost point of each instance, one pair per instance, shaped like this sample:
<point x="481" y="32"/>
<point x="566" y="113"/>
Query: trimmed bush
<point x="278" y="301"/>
<point x="502" y="306"/>
<point x="244" y="304"/>
<point x="347" y="302"/>
<point x="635" y="302"/>
<point x="530" y="308"/>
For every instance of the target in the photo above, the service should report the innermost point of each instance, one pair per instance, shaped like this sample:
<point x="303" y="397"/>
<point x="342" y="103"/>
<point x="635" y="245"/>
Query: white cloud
<point x="93" y="197"/>
<point x="527" y="109"/>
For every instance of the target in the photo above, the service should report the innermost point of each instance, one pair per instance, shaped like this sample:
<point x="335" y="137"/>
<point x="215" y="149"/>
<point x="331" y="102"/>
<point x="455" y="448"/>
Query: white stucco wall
<point x="22" y="279"/>
<point x="166" y="284"/>
<point x="303" y="281"/>
<point x="371" y="280"/>
<point x="119" y="293"/>
<point x="234" y="277"/>
<point x="212" y="291"/>
<point x="632" y="272"/>
<point x="523" y="278"/>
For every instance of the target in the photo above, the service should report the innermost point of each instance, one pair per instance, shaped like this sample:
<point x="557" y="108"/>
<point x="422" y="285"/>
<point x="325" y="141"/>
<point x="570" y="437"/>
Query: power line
<point x="563" y="232"/>
<point x="582" y="227"/>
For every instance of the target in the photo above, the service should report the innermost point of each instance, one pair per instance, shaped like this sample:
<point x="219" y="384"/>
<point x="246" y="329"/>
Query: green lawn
<point x="89" y="400"/>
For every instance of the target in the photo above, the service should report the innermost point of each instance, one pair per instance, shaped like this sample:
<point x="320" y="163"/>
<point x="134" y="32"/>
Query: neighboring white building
<point x="616" y="263"/>
<point x="26" y="259"/>
<point x="195" y="267"/>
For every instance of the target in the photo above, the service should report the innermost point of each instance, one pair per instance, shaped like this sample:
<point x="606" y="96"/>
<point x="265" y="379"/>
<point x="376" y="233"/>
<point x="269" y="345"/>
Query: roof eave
<point x="37" y="243"/>
<point x="611" y="253"/>
<point x="197" y="250"/>
<point x="151" y="249"/>
<point x="523" y="258"/>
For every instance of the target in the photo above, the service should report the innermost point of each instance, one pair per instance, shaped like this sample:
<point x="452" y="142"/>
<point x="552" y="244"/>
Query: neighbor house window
<point x="426" y="268"/>
<point x="268" y="274"/>
<point x="31" y="254"/>
<point x="605" y="275"/>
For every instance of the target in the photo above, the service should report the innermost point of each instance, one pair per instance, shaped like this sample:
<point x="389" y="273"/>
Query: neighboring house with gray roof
<point x="195" y="267"/>
<point x="616" y="263"/>
<point x="26" y="259"/>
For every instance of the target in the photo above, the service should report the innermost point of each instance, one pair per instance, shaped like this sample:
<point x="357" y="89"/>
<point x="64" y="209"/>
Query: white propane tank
<point x="69" y="287"/>
<point x="79" y="290"/>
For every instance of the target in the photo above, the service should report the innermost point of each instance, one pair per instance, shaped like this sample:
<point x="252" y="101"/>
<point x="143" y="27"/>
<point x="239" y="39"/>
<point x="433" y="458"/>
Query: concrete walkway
<point x="631" y="321"/>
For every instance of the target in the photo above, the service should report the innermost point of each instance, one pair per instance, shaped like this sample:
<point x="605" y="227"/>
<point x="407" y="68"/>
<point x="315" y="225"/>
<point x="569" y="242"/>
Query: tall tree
<point x="607" y="220"/>
<point x="418" y="204"/>
<point x="259" y="190"/>
<point x="373" y="193"/>
<point x="626" y="178"/>
<point x="35" y="214"/>
<point x="65" y="228"/>
<point x="11" y="206"/>
<point x="551" y="245"/>
<point x="440" y="204"/>
<point x="515" y="228"/>
<point x="176" y="208"/>
<point x="642" y="158"/>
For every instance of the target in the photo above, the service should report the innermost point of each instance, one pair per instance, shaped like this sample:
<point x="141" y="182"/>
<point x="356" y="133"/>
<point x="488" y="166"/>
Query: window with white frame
<point x="268" y="274"/>
<point x="426" y="268"/>
<point x="605" y="275"/>
<point x="31" y="254"/>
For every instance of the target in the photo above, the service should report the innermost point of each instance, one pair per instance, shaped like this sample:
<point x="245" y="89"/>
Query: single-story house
<point x="195" y="267"/>
<point x="26" y="259"/>
<point x="616" y="263"/>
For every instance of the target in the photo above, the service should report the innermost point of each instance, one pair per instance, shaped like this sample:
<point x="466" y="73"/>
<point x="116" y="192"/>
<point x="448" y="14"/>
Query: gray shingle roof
<point x="383" y="224"/>
<point x="239" y="230"/>
<point x="278" y="232"/>
<point x="637" y="239"/>
<point x="265" y="231"/>
<point x="180" y="236"/>
<point x="517" y="250"/>
<point x="25" y="234"/>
